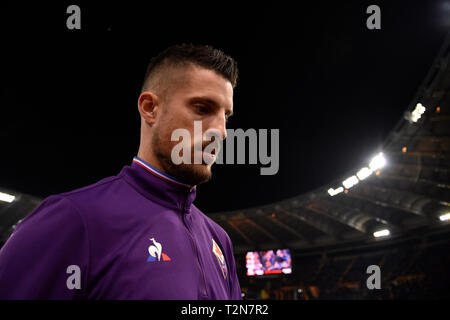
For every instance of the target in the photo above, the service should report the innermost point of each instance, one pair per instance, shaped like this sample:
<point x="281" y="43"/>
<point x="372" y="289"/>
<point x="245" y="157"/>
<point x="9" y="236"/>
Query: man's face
<point x="207" y="97"/>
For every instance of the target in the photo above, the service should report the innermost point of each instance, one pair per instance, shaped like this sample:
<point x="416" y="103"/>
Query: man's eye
<point x="201" y="109"/>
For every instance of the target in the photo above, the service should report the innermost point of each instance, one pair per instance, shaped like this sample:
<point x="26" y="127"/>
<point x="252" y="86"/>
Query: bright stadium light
<point x="350" y="182"/>
<point x="6" y="197"/>
<point x="333" y="192"/>
<point x="444" y="217"/>
<point x="381" y="233"/>
<point x="417" y="112"/>
<point x="377" y="162"/>
<point x="364" y="173"/>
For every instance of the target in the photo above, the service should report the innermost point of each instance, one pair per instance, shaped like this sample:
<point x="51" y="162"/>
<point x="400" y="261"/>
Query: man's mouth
<point x="208" y="153"/>
<point x="209" y="157"/>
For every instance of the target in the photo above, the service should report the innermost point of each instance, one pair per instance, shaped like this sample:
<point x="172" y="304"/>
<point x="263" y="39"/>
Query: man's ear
<point x="148" y="106"/>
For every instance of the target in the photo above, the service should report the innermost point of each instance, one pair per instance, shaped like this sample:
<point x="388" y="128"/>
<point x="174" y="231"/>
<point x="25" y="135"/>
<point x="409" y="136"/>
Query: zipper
<point x="204" y="293"/>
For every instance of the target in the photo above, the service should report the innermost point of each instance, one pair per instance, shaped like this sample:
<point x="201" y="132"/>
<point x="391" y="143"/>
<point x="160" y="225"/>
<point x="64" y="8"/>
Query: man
<point x="138" y="235"/>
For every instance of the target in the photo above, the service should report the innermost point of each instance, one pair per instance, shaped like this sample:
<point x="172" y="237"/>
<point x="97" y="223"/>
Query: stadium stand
<point x="331" y="232"/>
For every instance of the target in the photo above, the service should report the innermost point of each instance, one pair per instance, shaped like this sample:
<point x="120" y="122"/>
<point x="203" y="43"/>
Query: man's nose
<point x="219" y="126"/>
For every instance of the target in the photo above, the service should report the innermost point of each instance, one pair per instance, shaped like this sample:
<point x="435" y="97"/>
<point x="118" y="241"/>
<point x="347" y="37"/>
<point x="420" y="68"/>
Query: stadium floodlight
<point x="6" y="197"/>
<point x="444" y="217"/>
<point x="350" y="182"/>
<point x="333" y="192"/>
<point x="381" y="233"/>
<point x="417" y="112"/>
<point x="364" y="173"/>
<point x="377" y="162"/>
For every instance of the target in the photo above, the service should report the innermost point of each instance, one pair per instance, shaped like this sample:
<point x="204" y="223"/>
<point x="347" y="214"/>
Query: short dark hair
<point x="201" y="55"/>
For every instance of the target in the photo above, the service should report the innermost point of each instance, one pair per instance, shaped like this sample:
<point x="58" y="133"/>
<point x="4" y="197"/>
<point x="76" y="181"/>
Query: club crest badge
<point x="220" y="258"/>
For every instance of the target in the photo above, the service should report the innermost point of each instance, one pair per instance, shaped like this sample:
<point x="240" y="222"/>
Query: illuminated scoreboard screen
<point x="260" y="263"/>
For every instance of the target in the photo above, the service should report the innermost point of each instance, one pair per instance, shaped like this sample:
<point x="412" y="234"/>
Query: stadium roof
<point x="409" y="192"/>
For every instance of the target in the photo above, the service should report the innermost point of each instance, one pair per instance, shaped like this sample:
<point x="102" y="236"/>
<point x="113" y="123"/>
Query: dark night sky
<point x="334" y="88"/>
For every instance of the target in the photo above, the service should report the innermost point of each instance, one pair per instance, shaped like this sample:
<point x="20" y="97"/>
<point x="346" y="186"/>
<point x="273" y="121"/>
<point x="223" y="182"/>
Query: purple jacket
<point x="136" y="235"/>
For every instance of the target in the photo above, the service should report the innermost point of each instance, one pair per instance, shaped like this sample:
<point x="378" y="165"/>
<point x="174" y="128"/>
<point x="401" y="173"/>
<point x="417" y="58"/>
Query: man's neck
<point x="151" y="159"/>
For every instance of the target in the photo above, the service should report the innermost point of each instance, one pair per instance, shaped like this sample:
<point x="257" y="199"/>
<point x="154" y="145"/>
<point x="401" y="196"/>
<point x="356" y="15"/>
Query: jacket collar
<point x="159" y="186"/>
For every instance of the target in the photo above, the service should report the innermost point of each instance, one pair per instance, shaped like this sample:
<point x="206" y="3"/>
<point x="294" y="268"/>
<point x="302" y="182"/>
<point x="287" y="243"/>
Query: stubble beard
<point x="192" y="174"/>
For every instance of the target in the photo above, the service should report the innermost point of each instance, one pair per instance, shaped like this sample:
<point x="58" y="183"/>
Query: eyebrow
<point x="210" y="102"/>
